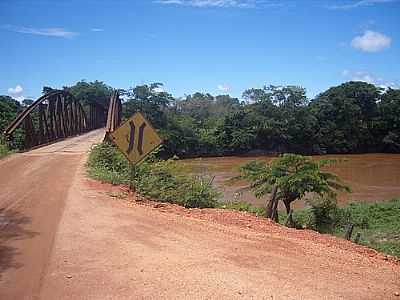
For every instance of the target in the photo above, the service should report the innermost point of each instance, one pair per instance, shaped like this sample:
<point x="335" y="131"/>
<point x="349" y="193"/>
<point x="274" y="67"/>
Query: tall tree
<point x="346" y="116"/>
<point x="9" y="108"/>
<point x="389" y="109"/>
<point x="150" y="99"/>
<point x="91" y="92"/>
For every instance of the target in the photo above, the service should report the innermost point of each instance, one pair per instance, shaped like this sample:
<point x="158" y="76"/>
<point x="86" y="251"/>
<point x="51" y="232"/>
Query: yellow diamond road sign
<point x="136" y="138"/>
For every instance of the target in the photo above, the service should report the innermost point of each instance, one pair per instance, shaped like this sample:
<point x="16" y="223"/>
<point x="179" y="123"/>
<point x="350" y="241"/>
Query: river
<point x="371" y="177"/>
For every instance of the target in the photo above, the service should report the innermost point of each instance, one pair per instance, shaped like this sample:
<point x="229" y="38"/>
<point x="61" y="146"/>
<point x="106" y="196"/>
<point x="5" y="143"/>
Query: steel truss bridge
<point x="58" y="115"/>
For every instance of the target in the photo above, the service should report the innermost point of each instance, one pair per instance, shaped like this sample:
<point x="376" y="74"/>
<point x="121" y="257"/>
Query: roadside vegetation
<point x="166" y="181"/>
<point x="3" y="150"/>
<point x="377" y="223"/>
<point x="292" y="177"/>
<point x="289" y="178"/>
<point x="9" y="108"/>
<point x="159" y="180"/>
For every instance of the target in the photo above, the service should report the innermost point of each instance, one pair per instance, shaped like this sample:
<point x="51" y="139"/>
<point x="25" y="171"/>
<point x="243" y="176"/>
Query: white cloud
<point x="223" y="88"/>
<point x="371" y="41"/>
<point x="369" y="78"/>
<point x="97" y="29"/>
<point x="213" y="3"/>
<point x="357" y="4"/>
<point x="52" y="31"/>
<point x="16" y="92"/>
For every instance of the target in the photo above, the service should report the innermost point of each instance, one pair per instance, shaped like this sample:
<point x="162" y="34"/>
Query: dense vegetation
<point x="354" y="117"/>
<point x="9" y="108"/>
<point x="8" y="111"/>
<point x="160" y="180"/>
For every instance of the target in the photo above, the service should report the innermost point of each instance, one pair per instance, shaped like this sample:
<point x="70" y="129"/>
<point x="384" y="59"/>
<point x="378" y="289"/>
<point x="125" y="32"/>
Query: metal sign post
<point x="132" y="175"/>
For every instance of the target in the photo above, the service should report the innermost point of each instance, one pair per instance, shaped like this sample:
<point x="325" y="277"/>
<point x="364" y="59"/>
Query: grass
<point x="159" y="180"/>
<point x="378" y="223"/>
<point x="106" y="164"/>
<point x="4" y="151"/>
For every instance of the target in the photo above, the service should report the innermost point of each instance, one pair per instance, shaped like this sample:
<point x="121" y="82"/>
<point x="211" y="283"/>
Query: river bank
<point x="372" y="177"/>
<point x="377" y="223"/>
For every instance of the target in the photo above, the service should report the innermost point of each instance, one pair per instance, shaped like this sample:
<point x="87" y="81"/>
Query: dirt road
<point x="109" y="247"/>
<point x="33" y="189"/>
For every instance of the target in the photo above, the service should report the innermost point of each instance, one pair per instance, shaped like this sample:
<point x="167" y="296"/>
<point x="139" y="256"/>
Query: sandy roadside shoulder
<point x="108" y="248"/>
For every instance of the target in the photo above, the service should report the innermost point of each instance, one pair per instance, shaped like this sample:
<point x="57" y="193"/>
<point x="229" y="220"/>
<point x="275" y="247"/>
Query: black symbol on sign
<point x="140" y="141"/>
<point x="131" y="139"/>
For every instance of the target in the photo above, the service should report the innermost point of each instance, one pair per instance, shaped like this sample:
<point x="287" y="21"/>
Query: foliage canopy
<point x="293" y="175"/>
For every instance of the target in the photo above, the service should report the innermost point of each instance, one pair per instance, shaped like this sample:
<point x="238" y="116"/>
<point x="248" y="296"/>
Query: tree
<point x="179" y="135"/>
<point x="9" y="109"/>
<point x="293" y="176"/>
<point x="277" y="95"/>
<point x="346" y="116"/>
<point x="150" y="99"/>
<point x="256" y="96"/>
<point x="389" y="109"/>
<point x="47" y="89"/>
<point x="96" y="92"/>
<point x="198" y="106"/>
<point x="293" y="119"/>
<point x="236" y="133"/>
<point x="27" y="102"/>
<point x="281" y="118"/>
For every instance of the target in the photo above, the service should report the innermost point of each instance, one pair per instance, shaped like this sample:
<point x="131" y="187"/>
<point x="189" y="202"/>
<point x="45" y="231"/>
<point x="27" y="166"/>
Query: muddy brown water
<point x="371" y="177"/>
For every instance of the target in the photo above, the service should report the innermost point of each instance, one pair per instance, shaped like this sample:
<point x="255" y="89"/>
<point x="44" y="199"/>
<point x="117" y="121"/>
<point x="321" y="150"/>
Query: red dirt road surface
<point x="66" y="237"/>
<point x="33" y="189"/>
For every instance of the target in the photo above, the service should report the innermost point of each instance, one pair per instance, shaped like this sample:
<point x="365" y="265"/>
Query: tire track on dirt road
<point x="34" y="186"/>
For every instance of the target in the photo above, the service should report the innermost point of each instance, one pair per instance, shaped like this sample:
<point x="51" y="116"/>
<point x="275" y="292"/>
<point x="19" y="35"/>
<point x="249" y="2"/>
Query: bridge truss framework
<point x="58" y="114"/>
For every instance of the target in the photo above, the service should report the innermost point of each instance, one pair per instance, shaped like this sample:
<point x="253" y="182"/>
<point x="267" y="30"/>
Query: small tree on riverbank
<point x="288" y="178"/>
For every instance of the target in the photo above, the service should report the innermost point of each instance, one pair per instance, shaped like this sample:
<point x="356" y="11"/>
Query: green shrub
<point x="200" y="193"/>
<point x="160" y="180"/>
<point x="4" y="149"/>
<point x="324" y="212"/>
<point x="107" y="164"/>
<point x="378" y="223"/>
<point x="303" y="219"/>
<point x="166" y="180"/>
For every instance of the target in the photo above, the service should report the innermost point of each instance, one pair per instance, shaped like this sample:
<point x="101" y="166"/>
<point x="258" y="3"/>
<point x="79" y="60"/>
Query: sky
<point x="215" y="46"/>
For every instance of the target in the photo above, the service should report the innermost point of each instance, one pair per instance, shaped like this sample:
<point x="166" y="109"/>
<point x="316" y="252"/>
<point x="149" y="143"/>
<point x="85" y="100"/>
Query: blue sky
<point x="216" y="46"/>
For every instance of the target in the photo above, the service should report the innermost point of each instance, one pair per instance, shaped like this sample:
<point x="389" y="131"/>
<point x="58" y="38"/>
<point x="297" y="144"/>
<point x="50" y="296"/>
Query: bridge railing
<point x="56" y="115"/>
<point x="114" y="115"/>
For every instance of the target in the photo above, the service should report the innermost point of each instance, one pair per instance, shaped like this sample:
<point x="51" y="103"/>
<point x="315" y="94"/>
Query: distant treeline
<point x="354" y="117"/>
